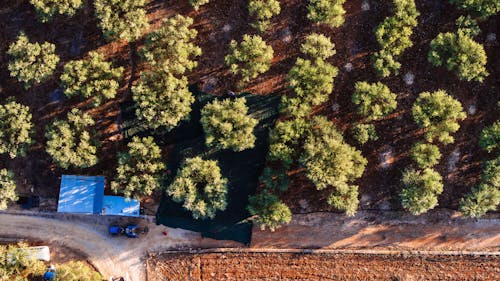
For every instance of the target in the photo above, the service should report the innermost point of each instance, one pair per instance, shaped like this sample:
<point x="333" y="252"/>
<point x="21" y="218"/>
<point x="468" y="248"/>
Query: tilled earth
<point x="288" y="266"/>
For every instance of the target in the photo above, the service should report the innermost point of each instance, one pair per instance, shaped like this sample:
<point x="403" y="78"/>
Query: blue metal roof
<point x="81" y="194"/>
<point x="119" y="206"/>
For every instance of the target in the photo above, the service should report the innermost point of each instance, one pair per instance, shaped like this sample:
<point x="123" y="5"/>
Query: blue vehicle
<point x="131" y="230"/>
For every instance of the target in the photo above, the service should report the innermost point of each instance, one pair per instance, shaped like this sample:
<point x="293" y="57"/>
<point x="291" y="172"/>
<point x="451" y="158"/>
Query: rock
<point x="209" y="85"/>
<point x="365" y="6"/>
<point x="226" y="28"/>
<point x="385" y="205"/>
<point x="491" y="37"/>
<point x="365" y="199"/>
<point x="409" y="78"/>
<point x="335" y="107"/>
<point x="286" y="35"/>
<point x="471" y="109"/>
<point x="386" y="158"/>
<point x="304" y="205"/>
<point x="453" y="159"/>
<point x="348" y="67"/>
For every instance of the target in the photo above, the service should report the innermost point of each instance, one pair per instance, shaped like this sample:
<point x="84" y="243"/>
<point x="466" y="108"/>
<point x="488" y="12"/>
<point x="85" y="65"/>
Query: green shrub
<point x="374" y="100"/>
<point x="285" y="139"/>
<point x="15" y="129"/>
<point x="490" y="137"/>
<point x="345" y="199"/>
<point x="139" y="171"/>
<point x="318" y="46"/>
<point x="484" y="8"/>
<point x="294" y="107"/>
<point x="91" y="78"/>
<point x="329" y="12"/>
<point x="46" y="9"/>
<point x="312" y="81"/>
<point x="482" y="199"/>
<point x="170" y="48"/>
<point x="227" y="124"/>
<point x="491" y="172"/>
<point x="385" y="63"/>
<point x="201" y="188"/>
<point x="69" y="142"/>
<point x="439" y="114"/>
<point x="268" y="211"/>
<point x="7" y="189"/>
<point x="77" y="271"/>
<point x="17" y="265"/>
<point x="425" y="155"/>
<point x="460" y="53"/>
<point x="31" y="63"/>
<point x="249" y="58"/>
<point x="121" y="19"/>
<point x="196" y="4"/>
<point x="421" y="189"/>
<point x="468" y="26"/>
<point x="363" y="133"/>
<point x="263" y="11"/>
<point x="162" y="99"/>
<point x="275" y="180"/>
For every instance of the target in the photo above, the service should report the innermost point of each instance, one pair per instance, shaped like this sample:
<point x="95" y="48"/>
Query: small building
<point x="85" y="195"/>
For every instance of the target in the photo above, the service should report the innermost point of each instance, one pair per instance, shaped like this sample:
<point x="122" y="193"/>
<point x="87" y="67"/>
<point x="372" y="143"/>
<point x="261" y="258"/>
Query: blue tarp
<point x="119" y="206"/>
<point x="81" y="194"/>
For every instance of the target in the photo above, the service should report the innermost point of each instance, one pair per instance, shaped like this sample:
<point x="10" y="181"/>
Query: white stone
<point x="227" y="28"/>
<point x="365" y="6"/>
<point x="491" y="37"/>
<point x="471" y="109"/>
<point x="453" y="159"/>
<point x="304" y="205"/>
<point x="348" y="67"/>
<point x="335" y="107"/>
<point x="409" y="78"/>
<point x="286" y="35"/>
<point x="386" y="158"/>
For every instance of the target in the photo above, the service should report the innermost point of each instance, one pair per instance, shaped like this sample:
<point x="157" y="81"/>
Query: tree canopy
<point x="227" y="124"/>
<point x="91" y="78"/>
<point x="17" y="265"/>
<point x="7" y="189"/>
<point x="263" y="11"/>
<point x="285" y="140"/>
<point x="363" y="133"/>
<point x="15" y="129"/>
<point x="421" y="189"/>
<point x="483" y="8"/>
<point x="426" y="155"/>
<point x="374" y="100"/>
<point x="438" y="113"/>
<point x="330" y="12"/>
<point x="70" y="142"/>
<point x="121" y="19"/>
<point x="170" y="48"/>
<point x="46" y="9"/>
<point x="490" y="137"/>
<point x="77" y="271"/>
<point x="201" y="188"/>
<point x="31" y="63"/>
<point x="318" y="46"/>
<point x="196" y="4"/>
<point x="268" y="210"/>
<point x="139" y="171"/>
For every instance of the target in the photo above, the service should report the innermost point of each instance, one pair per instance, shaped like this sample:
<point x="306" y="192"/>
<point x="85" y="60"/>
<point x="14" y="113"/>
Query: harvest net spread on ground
<point x="242" y="169"/>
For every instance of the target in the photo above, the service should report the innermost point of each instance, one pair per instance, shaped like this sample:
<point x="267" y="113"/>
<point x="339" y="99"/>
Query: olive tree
<point x="46" y="9"/>
<point x="91" y="78"/>
<point x="139" y="171"/>
<point x="268" y="211"/>
<point x="421" y="189"/>
<point x="17" y="264"/>
<point x="170" y="48"/>
<point x="31" y="63"/>
<point x="121" y="19"/>
<point x="198" y="3"/>
<point x="227" y="124"/>
<point x="330" y="12"/>
<point x="374" y="100"/>
<point x="483" y="8"/>
<point x="200" y="187"/>
<point x="363" y="133"/>
<point x="331" y="162"/>
<point x="263" y="11"/>
<point x="15" y="129"/>
<point x="318" y="46"/>
<point x="285" y="139"/>
<point x="490" y="137"/>
<point x="77" y="271"/>
<point x="426" y="155"/>
<point x="438" y="114"/>
<point x="7" y="188"/>
<point x="460" y="53"/>
<point x="70" y="142"/>
<point x="249" y="58"/>
<point x="162" y="99"/>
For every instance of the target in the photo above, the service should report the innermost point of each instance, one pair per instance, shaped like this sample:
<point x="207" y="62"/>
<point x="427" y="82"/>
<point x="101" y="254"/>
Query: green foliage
<point x="201" y="187"/>
<point x="275" y="180"/>
<point x="249" y="58"/>
<point x="363" y="133"/>
<point x="421" y="189"/>
<point x="15" y="129"/>
<point x="294" y="107"/>
<point x="31" y="63"/>
<point x="468" y="26"/>
<point x="318" y="46"/>
<point x="162" y="99"/>
<point x="269" y="211"/>
<point x="263" y="11"/>
<point x="425" y="155"/>
<point x="329" y="12"/>
<point x="139" y="171"/>
<point x="69" y="142"/>
<point x="439" y="114"/>
<point x="17" y="265"/>
<point x="170" y="47"/>
<point x="345" y="199"/>
<point x="460" y="53"/>
<point x="394" y="36"/>
<point x="285" y="139"/>
<point x="491" y="172"/>
<point x="374" y="100"/>
<point x="482" y="199"/>
<point x="490" y="137"/>
<point x="312" y="81"/>
<point x="77" y="271"/>
<point x="227" y="124"/>
<point x="121" y="19"/>
<point x="198" y="3"/>
<point x="46" y="9"/>
<point x="329" y="161"/>
<point x="91" y="78"/>
<point x="7" y="188"/>
<point x="483" y="8"/>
